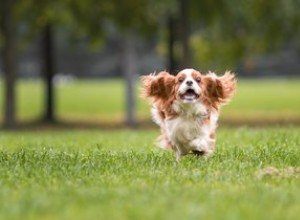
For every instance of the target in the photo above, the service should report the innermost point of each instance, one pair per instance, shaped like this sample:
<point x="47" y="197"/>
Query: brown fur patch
<point x="218" y="91"/>
<point x="197" y="76"/>
<point x="212" y="135"/>
<point x="160" y="89"/>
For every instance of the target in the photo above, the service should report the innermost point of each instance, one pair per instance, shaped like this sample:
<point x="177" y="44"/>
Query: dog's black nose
<point x="189" y="83"/>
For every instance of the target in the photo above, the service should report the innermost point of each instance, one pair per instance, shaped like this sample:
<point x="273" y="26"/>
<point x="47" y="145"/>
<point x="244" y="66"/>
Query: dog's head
<point x="189" y="86"/>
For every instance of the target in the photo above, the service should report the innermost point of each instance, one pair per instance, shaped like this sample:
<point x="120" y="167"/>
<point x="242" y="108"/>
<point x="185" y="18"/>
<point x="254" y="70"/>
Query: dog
<point x="187" y="107"/>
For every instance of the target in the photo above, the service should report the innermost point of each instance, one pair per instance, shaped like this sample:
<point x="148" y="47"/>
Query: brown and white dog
<point x="187" y="107"/>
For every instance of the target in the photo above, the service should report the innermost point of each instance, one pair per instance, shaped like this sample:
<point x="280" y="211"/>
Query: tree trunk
<point x="129" y="70"/>
<point x="171" y="41"/>
<point x="49" y="114"/>
<point x="9" y="62"/>
<point x="185" y="33"/>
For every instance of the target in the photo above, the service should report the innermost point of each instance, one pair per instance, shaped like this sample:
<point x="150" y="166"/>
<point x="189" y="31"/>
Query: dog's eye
<point x="181" y="79"/>
<point x="198" y="79"/>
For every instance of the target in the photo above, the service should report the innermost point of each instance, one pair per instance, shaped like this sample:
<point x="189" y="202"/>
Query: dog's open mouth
<point x="189" y="95"/>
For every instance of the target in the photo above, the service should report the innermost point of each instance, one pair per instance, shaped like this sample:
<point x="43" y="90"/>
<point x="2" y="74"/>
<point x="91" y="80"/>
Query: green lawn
<point x="119" y="174"/>
<point x="104" y="101"/>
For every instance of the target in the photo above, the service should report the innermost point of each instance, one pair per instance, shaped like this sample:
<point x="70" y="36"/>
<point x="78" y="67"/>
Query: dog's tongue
<point x="189" y="95"/>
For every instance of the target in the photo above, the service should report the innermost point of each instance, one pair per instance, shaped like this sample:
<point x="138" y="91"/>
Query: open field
<point x="98" y="101"/>
<point x="119" y="174"/>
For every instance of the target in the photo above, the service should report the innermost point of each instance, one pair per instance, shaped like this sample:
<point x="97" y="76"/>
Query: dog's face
<point x="188" y="86"/>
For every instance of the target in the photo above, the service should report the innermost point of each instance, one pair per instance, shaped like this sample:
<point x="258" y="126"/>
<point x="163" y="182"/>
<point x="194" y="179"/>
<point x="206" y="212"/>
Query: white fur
<point x="155" y="116"/>
<point x="184" y="87"/>
<point x="187" y="132"/>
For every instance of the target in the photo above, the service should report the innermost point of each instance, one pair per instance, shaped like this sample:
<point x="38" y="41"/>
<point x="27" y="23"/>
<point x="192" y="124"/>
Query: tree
<point x="48" y="47"/>
<point x="9" y="60"/>
<point x="133" y="19"/>
<point x="228" y="31"/>
<point x="129" y="69"/>
<point x="170" y="45"/>
<point x="185" y="33"/>
<point x="177" y="23"/>
<point x="48" y="13"/>
<point x="41" y="18"/>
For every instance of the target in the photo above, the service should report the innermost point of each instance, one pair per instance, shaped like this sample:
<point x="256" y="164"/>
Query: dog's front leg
<point x="180" y="152"/>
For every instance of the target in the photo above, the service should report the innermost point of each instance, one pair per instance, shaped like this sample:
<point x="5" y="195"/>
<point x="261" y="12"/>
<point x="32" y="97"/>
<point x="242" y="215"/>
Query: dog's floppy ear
<point x="158" y="86"/>
<point x="219" y="89"/>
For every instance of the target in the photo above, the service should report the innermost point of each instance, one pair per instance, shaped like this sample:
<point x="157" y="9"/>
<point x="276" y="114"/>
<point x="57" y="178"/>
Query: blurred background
<point x="77" y="62"/>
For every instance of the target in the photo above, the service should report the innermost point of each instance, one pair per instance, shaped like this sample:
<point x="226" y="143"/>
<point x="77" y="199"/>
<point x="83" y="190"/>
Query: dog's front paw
<point x="205" y="154"/>
<point x="198" y="153"/>
<point x="201" y="148"/>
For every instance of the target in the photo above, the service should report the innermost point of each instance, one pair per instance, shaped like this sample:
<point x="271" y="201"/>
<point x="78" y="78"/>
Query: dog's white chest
<point x="187" y="131"/>
<point x="183" y="130"/>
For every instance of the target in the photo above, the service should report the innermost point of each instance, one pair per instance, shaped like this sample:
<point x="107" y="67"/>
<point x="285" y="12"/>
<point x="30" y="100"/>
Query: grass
<point x="95" y="174"/>
<point x="104" y="100"/>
